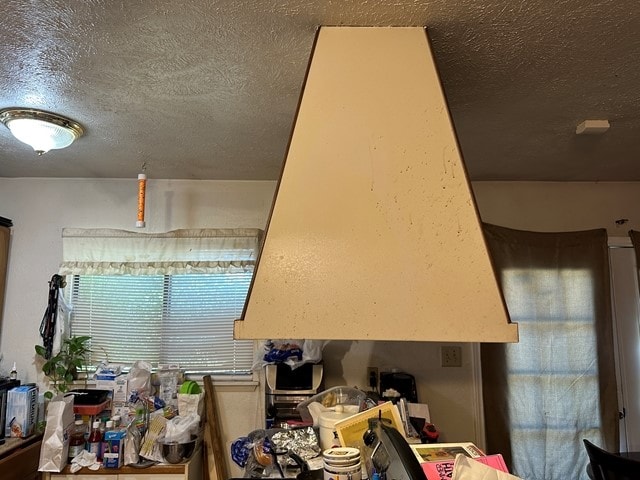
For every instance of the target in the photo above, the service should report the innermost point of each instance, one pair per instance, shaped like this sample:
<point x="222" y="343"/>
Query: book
<point x="434" y="452"/>
<point x="351" y="429"/>
<point x="443" y="470"/>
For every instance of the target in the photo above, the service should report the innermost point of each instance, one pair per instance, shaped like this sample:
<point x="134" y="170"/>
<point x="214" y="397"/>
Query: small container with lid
<point x="327" y="422"/>
<point x="342" y="463"/>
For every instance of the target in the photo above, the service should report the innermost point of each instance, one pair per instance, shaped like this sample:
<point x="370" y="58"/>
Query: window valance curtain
<point x="122" y="252"/>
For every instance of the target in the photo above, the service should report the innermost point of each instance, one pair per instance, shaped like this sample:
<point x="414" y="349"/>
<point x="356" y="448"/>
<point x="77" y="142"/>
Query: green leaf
<point x="47" y="368"/>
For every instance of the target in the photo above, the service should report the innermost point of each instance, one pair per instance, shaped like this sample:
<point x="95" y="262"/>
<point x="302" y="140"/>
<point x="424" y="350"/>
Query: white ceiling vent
<point x="374" y="232"/>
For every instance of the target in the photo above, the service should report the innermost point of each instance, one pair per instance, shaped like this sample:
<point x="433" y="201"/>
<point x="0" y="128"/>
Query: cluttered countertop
<point x="126" y="423"/>
<point x="345" y="435"/>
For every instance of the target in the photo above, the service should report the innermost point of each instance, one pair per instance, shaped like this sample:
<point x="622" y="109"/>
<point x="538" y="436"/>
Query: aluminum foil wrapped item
<point x="301" y="441"/>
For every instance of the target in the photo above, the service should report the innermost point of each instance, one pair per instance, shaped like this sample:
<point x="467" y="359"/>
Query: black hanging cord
<point x="48" y="324"/>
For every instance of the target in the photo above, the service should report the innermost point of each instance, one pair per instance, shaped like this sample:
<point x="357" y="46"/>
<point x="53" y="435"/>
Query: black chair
<point x="609" y="466"/>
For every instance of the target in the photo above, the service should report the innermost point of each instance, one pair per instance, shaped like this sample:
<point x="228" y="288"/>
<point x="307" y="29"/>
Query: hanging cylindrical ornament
<point x="142" y="184"/>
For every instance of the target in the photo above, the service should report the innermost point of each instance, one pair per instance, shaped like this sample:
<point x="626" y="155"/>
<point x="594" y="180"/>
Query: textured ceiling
<point x="209" y="89"/>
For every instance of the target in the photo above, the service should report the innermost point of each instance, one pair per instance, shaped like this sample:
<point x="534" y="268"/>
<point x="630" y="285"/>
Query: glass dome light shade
<point x="41" y="130"/>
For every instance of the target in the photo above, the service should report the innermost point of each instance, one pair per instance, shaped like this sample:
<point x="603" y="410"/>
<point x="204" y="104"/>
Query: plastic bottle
<point x="105" y="445"/>
<point x="13" y="375"/>
<point x="102" y="429"/>
<point x="116" y="421"/>
<point x="76" y="441"/>
<point x="95" y="440"/>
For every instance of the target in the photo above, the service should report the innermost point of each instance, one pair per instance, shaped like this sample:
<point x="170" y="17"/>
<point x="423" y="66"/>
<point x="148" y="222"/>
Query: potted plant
<point x="63" y="367"/>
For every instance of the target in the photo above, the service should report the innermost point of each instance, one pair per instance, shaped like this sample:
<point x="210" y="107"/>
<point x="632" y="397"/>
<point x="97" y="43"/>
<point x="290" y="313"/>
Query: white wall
<point x="40" y="208"/>
<point x="555" y="206"/>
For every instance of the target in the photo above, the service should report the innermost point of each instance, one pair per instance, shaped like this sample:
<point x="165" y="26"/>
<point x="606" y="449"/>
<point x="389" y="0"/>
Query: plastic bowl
<point x="174" y="452"/>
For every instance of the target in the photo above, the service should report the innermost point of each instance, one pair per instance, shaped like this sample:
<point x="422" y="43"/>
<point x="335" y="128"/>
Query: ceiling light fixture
<point x="43" y="131"/>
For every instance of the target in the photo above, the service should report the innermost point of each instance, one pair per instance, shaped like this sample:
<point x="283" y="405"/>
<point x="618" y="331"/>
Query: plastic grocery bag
<point x="292" y="352"/>
<point x="55" y="442"/>
<point x="190" y="403"/>
<point x="182" y="429"/>
<point x="139" y="380"/>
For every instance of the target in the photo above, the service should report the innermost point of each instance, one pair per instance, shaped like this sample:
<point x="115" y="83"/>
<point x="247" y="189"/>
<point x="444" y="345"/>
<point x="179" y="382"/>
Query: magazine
<point x="435" y="452"/>
<point x="443" y="470"/>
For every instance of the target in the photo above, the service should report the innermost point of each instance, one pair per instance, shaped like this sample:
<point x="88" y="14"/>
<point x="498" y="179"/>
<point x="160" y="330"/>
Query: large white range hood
<point x="374" y="233"/>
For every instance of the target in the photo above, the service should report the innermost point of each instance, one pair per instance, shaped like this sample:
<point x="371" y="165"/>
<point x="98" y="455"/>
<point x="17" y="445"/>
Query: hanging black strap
<point x="48" y="324"/>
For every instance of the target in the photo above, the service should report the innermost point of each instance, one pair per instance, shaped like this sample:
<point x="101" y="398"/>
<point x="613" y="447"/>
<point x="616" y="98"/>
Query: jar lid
<point x="341" y="453"/>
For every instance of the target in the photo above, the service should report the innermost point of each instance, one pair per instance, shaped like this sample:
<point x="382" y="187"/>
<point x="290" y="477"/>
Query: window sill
<point x="220" y="384"/>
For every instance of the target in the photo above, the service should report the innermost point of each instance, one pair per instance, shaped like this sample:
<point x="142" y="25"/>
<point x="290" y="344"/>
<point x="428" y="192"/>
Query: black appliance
<point x="389" y="454"/>
<point x="285" y="388"/>
<point x="403" y="383"/>
<point x="6" y="384"/>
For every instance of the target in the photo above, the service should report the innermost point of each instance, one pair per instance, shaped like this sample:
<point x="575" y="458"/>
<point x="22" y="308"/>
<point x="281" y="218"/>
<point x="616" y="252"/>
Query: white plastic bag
<point x="139" y="381"/>
<point x="468" y="469"/>
<point x="181" y="428"/>
<point x="190" y="403"/>
<point x="55" y="442"/>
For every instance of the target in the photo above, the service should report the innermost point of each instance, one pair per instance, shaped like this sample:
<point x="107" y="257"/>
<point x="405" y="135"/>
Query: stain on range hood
<point x="374" y="233"/>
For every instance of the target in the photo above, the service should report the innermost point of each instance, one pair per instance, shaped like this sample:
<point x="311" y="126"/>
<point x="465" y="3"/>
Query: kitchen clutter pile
<point x="346" y="434"/>
<point x="135" y="418"/>
<point x="329" y="438"/>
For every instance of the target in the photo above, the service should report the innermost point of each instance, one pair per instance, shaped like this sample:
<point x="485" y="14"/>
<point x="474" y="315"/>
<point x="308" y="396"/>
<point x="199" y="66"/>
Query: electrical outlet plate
<point x="451" y="356"/>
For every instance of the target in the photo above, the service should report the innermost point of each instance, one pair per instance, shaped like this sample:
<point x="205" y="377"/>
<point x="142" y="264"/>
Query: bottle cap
<point x="79" y="422"/>
<point x="96" y="424"/>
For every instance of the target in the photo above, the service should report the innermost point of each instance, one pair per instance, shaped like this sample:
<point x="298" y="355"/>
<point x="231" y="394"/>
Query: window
<point x="184" y="319"/>
<point x="148" y="306"/>
<point x="552" y="372"/>
<point x="557" y="386"/>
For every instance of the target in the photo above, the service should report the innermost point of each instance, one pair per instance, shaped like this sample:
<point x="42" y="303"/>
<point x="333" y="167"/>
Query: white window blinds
<point x="163" y="298"/>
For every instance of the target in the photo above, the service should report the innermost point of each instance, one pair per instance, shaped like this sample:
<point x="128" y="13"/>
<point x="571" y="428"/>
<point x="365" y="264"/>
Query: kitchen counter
<point x="191" y="470"/>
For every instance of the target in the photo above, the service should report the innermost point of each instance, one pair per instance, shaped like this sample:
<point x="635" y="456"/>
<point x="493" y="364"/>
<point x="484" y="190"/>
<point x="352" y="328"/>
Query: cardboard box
<point x="114" y="450"/>
<point x="22" y="411"/>
<point x="120" y="390"/>
<point x="120" y="408"/>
